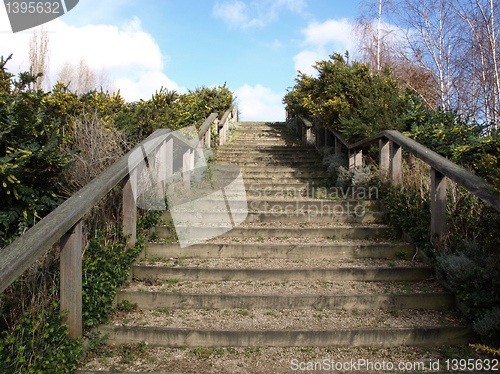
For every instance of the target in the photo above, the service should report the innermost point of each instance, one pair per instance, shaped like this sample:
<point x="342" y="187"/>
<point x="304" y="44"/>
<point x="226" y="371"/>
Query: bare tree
<point x="482" y="65"/>
<point x="39" y="59"/>
<point x="451" y="55"/>
<point x="431" y="31"/>
<point x="81" y="78"/>
<point x="371" y="35"/>
<point x="383" y="43"/>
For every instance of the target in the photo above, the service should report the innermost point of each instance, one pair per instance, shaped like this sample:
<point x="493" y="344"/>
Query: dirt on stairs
<point x="312" y="275"/>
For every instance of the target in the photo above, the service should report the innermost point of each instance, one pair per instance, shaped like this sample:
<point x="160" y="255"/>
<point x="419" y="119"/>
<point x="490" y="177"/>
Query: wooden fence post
<point x="358" y="157"/>
<point x="320" y="135"/>
<point x="187" y="166"/>
<point x="169" y="154"/>
<point x="208" y="136"/>
<point x="338" y="145"/>
<point x="396" y="167"/>
<point x="328" y="137"/>
<point x="71" y="279"/>
<point x="438" y="204"/>
<point x="384" y="155"/>
<point x="129" y="208"/>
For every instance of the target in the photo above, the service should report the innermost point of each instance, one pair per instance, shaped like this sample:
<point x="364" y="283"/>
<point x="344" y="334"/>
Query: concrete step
<point x="307" y="191"/>
<point x="313" y="175"/>
<point x="266" y="202"/>
<point x="242" y="137"/>
<point x="269" y="149"/>
<point x="263" y="158"/>
<point x="353" y="337"/>
<point x="237" y="146"/>
<point x="282" y="181"/>
<point x="292" y="217"/>
<point x="341" y="233"/>
<point x="384" y="274"/>
<point x="263" y="162"/>
<point x="261" y="136"/>
<point x="177" y="300"/>
<point x="280" y="169"/>
<point x="331" y="250"/>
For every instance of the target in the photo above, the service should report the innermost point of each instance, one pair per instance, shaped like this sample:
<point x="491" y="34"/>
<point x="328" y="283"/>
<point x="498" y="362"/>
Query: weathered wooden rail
<point x="65" y="222"/>
<point x="391" y="143"/>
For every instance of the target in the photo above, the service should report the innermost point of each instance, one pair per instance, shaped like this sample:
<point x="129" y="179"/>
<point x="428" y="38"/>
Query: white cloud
<point x="129" y="55"/>
<point x="258" y="13"/>
<point x="235" y="14"/>
<point x="259" y="103"/>
<point x="322" y="40"/>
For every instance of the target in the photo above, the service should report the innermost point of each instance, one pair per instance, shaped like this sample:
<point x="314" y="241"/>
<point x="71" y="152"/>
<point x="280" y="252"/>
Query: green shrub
<point x="168" y="109"/>
<point x="349" y="98"/>
<point x="475" y="278"/>
<point x="30" y="157"/>
<point x="39" y="344"/>
<point x="410" y="210"/>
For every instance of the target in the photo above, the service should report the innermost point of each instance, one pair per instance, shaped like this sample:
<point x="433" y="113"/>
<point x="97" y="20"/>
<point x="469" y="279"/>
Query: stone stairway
<point x="305" y="269"/>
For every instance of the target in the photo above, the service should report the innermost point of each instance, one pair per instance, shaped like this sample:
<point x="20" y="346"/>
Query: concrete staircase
<point x="305" y="269"/>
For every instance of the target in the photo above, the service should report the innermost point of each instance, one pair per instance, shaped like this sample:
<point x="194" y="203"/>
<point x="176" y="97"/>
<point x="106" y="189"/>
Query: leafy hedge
<point x="458" y="138"/>
<point x="169" y="109"/>
<point x="349" y="98"/>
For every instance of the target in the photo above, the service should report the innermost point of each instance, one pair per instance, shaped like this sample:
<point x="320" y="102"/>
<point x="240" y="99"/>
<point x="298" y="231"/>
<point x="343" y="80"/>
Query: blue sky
<point x="254" y="46"/>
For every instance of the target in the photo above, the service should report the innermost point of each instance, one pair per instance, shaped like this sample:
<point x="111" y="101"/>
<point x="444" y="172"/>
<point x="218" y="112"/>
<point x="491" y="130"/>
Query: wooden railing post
<point x="169" y="154"/>
<point x="328" y="137"/>
<point x="321" y="141"/>
<point x="384" y="155"/>
<point x="358" y="157"/>
<point x="338" y="145"/>
<point x="162" y="160"/>
<point x="222" y="135"/>
<point x="438" y="204"/>
<point x="303" y="130"/>
<point x="187" y="166"/>
<point x="234" y="114"/>
<point x="396" y="167"/>
<point x="129" y="208"/>
<point x="71" y="279"/>
<point x="208" y="137"/>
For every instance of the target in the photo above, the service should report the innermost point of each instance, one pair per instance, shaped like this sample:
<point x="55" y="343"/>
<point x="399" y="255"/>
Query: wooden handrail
<point x="390" y="144"/>
<point x="65" y="222"/>
<point x="223" y="126"/>
<point x="305" y="121"/>
<point x="207" y="124"/>
<point x="306" y="130"/>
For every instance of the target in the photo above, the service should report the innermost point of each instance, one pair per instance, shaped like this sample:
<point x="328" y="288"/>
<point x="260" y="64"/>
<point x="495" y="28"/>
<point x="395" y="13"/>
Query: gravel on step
<point x="285" y="288"/>
<point x="266" y="360"/>
<point x="266" y="263"/>
<point x="283" y="318"/>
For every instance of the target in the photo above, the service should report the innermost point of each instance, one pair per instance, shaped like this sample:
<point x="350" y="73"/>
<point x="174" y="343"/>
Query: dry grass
<point x="98" y="145"/>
